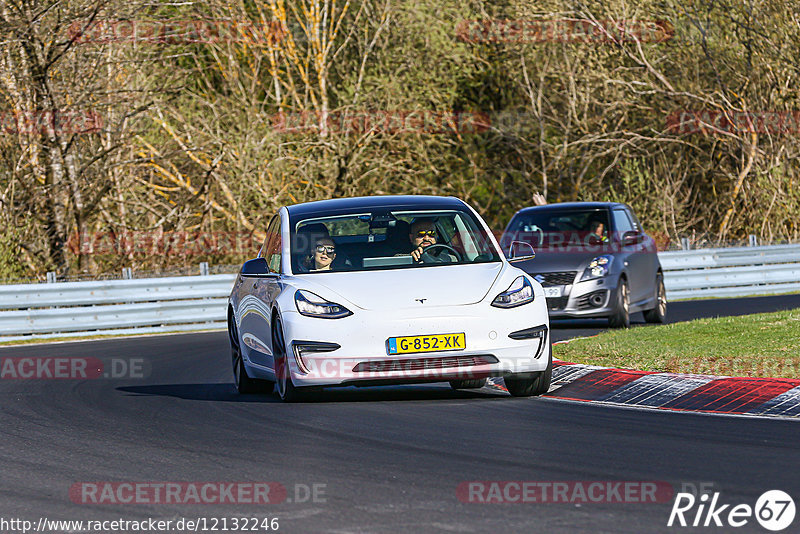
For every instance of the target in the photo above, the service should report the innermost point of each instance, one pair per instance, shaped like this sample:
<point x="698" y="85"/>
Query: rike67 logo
<point x="774" y="510"/>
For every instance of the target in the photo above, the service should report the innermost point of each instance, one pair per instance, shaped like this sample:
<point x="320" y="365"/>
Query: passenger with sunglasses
<point x="324" y="253"/>
<point x="423" y="235"/>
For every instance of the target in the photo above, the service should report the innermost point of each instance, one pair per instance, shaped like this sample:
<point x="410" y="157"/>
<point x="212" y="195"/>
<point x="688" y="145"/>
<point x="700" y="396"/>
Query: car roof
<point x="345" y="205"/>
<point x="567" y="206"/>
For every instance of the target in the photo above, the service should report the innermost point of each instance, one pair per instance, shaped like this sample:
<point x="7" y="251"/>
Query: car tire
<point x="530" y="384"/>
<point x="284" y="385"/>
<point x="476" y="383"/>
<point x="241" y="381"/>
<point x="621" y="318"/>
<point x="659" y="313"/>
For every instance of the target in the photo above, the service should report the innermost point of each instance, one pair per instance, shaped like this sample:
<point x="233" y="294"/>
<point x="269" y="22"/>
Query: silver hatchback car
<point x="593" y="260"/>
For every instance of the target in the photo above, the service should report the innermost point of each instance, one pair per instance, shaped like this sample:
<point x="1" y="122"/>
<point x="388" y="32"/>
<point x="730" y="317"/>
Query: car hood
<point x="557" y="261"/>
<point x="454" y="285"/>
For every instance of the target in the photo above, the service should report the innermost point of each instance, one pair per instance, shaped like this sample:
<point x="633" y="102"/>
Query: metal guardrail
<point x="188" y="303"/>
<point x="114" y="291"/>
<point x="731" y="272"/>
<point x="138" y="306"/>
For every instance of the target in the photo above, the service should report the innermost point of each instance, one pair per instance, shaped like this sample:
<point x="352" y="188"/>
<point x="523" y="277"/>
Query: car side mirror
<point x="255" y="268"/>
<point x="519" y="251"/>
<point x="631" y="238"/>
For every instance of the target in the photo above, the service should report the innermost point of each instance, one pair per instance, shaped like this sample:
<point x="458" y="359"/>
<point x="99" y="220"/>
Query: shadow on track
<point x="227" y="393"/>
<point x="201" y="392"/>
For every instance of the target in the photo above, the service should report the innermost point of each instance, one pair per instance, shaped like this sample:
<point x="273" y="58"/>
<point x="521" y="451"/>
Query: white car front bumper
<point x="353" y="350"/>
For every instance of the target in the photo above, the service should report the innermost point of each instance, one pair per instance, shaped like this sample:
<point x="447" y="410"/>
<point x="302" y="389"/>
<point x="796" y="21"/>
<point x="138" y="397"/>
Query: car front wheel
<point x="621" y="318"/>
<point x="241" y="381"/>
<point x="528" y="384"/>
<point x="659" y="313"/>
<point x="287" y="391"/>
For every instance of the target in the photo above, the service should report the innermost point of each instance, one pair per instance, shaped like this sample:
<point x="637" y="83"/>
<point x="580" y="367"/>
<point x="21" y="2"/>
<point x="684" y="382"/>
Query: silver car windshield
<point x="553" y="228"/>
<point x="379" y="240"/>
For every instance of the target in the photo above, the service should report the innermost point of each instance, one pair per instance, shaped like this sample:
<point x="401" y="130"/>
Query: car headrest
<point x="308" y="235"/>
<point x="315" y="228"/>
<point x="397" y="235"/>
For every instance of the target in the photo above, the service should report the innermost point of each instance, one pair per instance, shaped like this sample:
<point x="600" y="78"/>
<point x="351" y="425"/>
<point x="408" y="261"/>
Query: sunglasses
<point x="423" y="233"/>
<point x="327" y="249"/>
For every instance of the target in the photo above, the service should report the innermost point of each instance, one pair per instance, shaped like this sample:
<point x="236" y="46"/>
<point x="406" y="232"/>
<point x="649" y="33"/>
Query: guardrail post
<point x="204" y="268"/>
<point x="51" y="277"/>
<point x="685" y="243"/>
<point x="753" y="240"/>
<point x="127" y="274"/>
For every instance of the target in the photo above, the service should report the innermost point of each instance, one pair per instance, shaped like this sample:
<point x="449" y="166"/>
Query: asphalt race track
<point x="382" y="459"/>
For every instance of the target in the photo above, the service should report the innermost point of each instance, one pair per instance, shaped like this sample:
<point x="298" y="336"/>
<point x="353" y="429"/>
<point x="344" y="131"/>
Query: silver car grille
<point x="556" y="279"/>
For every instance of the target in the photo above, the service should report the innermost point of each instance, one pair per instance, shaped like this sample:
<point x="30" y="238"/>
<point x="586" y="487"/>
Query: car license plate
<point x="553" y="292"/>
<point x="431" y="343"/>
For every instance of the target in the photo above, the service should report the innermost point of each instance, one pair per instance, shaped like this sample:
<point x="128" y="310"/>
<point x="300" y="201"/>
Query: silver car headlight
<point x="518" y="293"/>
<point x="312" y="305"/>
<point x="598" y="268"/>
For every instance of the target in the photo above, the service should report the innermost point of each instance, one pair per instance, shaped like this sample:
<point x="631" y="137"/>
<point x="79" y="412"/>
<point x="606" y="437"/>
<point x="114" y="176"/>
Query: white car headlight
<point x="312" y="305"/>
<point x="597" y="268"/>
<point x="518" y="293"/>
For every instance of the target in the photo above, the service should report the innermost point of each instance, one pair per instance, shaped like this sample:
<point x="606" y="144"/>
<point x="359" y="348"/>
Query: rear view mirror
<point x="631" y="238"/>
<point x="382" y="220"/>
<point x="520" y="250"/>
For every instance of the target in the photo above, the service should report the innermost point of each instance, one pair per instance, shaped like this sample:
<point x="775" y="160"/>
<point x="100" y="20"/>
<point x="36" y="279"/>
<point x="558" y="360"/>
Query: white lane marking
<point x="564" y="374"/>
<point x="655" y="390"/>
<point x="786" y="404"/>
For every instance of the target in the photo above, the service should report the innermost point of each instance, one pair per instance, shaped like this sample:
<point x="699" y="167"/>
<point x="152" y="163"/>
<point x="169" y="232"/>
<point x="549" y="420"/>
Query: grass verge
<point x="759" y="345"/>
<point x="692" y="299"/>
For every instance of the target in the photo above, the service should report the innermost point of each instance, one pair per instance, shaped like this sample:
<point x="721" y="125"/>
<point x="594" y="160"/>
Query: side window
<point x="273" y="245"/>
<point x="262" y="252"/>
<point x="447" y="229"/>
<point x="634" y="220"/>
<point x="622" y="223"/>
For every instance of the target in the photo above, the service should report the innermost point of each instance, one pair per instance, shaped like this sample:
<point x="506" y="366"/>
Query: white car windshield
<point x="375" y="240"/>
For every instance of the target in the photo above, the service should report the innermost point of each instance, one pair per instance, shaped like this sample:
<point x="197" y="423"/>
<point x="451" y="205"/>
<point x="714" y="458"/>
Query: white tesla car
<point x="386" y="290"/>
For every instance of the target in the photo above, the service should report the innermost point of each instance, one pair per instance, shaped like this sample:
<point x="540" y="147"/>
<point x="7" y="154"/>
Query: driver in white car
<point x="422" y="236"/>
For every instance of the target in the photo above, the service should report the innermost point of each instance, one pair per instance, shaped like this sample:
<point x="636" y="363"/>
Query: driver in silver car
<point x="422" y="236"/>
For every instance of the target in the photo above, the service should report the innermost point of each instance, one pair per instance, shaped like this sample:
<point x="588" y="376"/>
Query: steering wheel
<point x="427" y="251"/>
